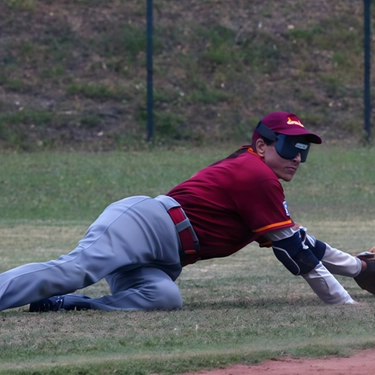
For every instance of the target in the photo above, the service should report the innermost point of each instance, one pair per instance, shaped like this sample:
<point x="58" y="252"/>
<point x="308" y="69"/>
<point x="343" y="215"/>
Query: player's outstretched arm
<point x="326" y="286"/>
<point x="303" y="255"/>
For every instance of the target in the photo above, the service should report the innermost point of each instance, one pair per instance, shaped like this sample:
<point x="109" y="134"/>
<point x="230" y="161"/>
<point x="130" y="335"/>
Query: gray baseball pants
<point x="133" y="244"/>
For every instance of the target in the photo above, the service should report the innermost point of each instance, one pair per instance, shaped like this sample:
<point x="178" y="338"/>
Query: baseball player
<point x="140" y="244"/>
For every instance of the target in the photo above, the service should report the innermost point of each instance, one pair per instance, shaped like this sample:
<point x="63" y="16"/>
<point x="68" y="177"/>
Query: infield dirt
<point x="361" y="363"/>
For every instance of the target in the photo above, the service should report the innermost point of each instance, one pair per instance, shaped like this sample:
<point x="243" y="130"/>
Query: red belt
<point x="189" y="244"/>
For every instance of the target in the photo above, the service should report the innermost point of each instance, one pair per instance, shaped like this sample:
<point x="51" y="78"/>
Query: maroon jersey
<point x="231" y="203"/>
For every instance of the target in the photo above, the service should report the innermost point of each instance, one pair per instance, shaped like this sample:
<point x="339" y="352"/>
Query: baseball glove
<point x="366" y="279"/>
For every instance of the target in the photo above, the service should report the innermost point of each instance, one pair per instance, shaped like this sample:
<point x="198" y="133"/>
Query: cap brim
<point x="313" y="138"/>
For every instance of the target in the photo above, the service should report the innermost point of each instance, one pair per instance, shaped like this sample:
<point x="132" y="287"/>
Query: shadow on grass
<point x="268" y="303"/>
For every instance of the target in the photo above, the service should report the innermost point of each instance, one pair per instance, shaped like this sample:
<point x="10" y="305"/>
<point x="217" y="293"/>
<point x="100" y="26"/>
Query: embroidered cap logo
<point x="293" y="122"/>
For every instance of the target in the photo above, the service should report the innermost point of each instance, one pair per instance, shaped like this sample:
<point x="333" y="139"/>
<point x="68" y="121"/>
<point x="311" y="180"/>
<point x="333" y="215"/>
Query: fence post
<point x="367" y="67"/>
<point x="150" y="99"/>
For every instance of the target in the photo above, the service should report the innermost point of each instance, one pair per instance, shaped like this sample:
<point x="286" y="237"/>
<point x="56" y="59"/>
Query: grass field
<point x="240" y="309"/>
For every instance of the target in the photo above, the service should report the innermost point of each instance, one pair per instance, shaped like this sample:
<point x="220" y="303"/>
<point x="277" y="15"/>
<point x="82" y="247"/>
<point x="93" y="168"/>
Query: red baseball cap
<point x="286" y="123"/>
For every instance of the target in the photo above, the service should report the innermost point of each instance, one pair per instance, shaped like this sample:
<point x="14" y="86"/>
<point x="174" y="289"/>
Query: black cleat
<point x="48" y="304"/>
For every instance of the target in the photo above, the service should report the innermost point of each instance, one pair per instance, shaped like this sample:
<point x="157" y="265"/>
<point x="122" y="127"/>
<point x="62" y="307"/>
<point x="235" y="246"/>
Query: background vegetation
<point x="73" y="72"/>
<point x="240" y="309"/>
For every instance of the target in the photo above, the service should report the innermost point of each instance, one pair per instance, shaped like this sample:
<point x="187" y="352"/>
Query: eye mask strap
<point x="266" y="132"/>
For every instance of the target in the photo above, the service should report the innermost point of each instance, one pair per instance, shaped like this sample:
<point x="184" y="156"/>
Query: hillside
<point x="73" y="73"/>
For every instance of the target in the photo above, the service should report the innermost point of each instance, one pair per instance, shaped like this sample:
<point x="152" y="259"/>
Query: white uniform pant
<point x="133" y="244"/>
<point x="321" y="278"/>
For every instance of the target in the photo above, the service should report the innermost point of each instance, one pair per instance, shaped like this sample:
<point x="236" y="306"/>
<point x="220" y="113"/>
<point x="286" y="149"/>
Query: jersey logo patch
<point x="286" y="208"/>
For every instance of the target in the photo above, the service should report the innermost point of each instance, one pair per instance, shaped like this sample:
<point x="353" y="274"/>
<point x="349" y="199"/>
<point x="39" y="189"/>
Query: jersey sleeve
<point x="268" y="210"/>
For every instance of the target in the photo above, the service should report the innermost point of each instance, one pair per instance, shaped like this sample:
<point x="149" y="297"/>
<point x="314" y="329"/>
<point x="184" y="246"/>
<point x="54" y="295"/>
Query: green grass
<point x="240" y="309"/>
<point x="22" y="5"/>
<point x="74" y="186"/>
<point x="335" y="182"/>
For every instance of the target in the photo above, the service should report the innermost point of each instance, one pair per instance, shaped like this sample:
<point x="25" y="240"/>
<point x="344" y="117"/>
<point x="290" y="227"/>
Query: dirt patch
<point x="361" y="363"/>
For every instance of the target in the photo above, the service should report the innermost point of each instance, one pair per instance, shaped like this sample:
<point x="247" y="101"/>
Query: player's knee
<point x="166" y="295"/>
